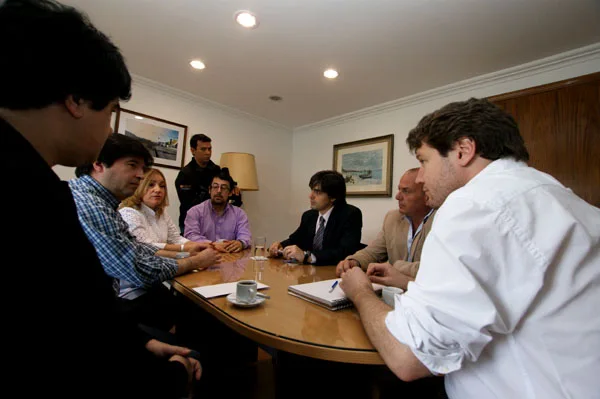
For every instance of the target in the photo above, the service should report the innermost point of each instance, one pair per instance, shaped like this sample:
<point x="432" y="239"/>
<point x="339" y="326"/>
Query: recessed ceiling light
<point x="331" y="74"/>
<point x="246" y="19"/>
<point x="138" y="117"/>
<point x="197" y="64"/>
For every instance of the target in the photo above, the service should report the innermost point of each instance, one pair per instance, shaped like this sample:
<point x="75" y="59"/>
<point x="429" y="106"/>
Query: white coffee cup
<point x="246" y="290"/>
<point x="388" y="294"/>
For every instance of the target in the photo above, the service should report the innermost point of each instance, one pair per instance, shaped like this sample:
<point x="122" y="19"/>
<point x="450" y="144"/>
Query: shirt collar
<point x="424" y="219"/>
<point x="93" y="186"/>
<point x="208" y="166"/>
<point x="147" y="210"/>
<point x="21" y="148"/>
<point x="327" y="214"/>
<point x="210" y="206"/>
<point x="428" y="214"/>
<point x="498" y="165"/>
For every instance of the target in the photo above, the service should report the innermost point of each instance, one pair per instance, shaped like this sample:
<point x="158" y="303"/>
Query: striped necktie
<point x="318" y="240"/>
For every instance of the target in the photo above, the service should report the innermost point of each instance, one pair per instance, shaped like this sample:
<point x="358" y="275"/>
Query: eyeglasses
<point x="216" y="187"/>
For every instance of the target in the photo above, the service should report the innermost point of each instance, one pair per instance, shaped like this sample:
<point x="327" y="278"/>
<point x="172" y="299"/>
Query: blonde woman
<point x="145" y="214"/>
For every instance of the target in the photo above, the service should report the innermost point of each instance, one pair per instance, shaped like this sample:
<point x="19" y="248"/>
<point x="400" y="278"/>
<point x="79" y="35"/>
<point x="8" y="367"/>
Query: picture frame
<point x="366" y="165"/>
<point x="164" y="139"/>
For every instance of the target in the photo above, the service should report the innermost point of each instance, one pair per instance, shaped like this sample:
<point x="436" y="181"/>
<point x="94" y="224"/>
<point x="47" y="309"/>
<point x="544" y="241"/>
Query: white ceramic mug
<point x="246" y="290"/>
<point x="388" y="294"/>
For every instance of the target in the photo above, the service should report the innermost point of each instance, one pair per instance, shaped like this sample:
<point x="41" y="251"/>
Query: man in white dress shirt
<point x="505" y="300"/>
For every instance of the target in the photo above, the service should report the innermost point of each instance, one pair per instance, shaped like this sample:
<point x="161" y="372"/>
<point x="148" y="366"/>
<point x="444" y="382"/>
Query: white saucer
<point x="257" y="301"/>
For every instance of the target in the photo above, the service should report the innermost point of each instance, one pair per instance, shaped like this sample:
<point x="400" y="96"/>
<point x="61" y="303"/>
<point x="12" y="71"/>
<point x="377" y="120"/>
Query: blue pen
<point x="333" y="286"/>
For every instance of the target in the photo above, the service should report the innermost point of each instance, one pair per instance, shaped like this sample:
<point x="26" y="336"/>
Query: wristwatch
<point x="306" y="256"/>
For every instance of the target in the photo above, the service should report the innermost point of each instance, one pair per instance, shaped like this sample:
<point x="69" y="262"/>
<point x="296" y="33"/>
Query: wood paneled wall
<point x="560" y="123"/>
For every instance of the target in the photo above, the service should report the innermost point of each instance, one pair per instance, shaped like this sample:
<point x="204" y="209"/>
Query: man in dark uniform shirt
<point x="193" y="180"/>
<point x="66" y="337"/>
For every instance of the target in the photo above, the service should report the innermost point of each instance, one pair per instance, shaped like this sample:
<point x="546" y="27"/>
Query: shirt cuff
<point x="427" y="349"/>
<point x="354" y="259"/>
<point x="313" y="259"/>
<point x="173" y="267"/>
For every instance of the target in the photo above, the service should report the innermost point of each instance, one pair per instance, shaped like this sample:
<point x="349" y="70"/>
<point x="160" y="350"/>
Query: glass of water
<point x="260" y="246"/>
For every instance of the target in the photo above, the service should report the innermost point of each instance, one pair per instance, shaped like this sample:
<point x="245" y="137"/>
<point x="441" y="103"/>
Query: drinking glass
<point x="260" y="246"/>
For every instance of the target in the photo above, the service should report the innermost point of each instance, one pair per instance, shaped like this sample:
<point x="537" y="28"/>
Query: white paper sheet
<point x="211" y="291"/>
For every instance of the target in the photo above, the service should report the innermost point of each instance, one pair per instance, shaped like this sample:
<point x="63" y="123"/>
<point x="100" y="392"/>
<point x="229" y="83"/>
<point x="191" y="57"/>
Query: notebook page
<point x="343" y="305"/>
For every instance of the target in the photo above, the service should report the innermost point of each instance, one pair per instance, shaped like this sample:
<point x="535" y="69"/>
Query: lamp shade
<point x="242" y="168"/>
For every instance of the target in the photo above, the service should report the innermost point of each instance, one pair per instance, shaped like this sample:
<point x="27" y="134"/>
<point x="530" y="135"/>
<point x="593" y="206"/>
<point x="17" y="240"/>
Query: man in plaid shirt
<point x="135" y="267"/>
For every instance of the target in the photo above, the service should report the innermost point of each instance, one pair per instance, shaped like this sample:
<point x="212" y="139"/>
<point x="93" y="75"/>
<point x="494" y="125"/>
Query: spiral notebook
<point x="318" y="293"/>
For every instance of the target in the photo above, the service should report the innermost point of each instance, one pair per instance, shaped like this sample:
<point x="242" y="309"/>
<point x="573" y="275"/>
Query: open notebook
<point x="318" y="293"/>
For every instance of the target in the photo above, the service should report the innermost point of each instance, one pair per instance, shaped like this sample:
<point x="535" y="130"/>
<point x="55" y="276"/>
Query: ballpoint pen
<point x="335" y="283"/>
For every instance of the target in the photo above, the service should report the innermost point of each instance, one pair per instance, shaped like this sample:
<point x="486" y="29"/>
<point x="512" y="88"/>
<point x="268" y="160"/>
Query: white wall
<point x="313" y="145"/>
<point x="268" y="208"/>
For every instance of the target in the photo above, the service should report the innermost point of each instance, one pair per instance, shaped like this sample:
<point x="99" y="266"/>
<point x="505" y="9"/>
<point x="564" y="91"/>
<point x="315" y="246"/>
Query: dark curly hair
<point x="494" y="131"/>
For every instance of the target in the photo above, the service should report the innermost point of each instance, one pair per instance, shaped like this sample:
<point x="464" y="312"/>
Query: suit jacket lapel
<point x="330" y="226"/>
<point x="312" y="226"/>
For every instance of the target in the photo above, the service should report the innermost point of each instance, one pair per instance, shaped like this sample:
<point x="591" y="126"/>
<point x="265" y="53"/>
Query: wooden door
<point x="560" y="124"/>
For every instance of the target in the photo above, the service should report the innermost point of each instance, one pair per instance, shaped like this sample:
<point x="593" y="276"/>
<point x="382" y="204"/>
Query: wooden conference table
<point x="283" y="322"/>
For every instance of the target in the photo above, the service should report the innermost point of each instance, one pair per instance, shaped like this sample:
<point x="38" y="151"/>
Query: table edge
<point x="355" y="356"/>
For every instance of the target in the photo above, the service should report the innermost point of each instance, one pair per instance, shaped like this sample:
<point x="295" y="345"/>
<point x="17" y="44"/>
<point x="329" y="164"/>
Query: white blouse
<point x="506" y="299"/>
<point x="150" y="229"/>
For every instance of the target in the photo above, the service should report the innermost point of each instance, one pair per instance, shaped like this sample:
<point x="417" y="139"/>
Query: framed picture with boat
<point x="366" y="165"/>
<point x="164" y="139"/>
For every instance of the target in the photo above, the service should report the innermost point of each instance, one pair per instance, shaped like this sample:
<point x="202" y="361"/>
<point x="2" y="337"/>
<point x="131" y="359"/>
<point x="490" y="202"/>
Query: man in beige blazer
<point x="393" y="257"/>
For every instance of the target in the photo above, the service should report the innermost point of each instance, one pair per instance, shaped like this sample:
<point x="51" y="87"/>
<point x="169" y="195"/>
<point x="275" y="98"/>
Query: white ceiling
<point x="383" y="49"/>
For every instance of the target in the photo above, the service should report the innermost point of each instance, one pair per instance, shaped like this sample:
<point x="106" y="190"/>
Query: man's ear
<point x="98" y="167"/>
<point x="74" y="106"/>
<point x="466" y="150"/>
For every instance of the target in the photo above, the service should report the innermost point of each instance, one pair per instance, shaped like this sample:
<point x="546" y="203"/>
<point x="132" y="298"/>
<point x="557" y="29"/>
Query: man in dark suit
<point x="330" y="230"/>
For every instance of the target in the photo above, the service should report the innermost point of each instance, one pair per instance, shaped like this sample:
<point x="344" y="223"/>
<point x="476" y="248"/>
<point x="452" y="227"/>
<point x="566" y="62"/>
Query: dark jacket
<point x="71" y="321"/>
<point x="341" y="237"/>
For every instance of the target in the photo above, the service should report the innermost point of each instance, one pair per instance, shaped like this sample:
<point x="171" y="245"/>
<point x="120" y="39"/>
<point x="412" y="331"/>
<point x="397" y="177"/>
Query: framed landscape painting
<point x="164" y="139"/>
<point x="366" y="165"/>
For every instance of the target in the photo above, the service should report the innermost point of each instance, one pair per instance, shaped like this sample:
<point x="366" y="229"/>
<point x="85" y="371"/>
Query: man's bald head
<point x="411" y="198"/>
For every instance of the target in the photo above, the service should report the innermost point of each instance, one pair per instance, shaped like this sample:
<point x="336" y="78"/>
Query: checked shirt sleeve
<point x="121" y="255"/>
